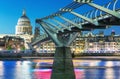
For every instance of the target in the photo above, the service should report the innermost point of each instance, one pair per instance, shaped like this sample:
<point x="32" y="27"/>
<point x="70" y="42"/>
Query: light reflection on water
<point x="109" y="75"/>
<point x="32" y="70"/>
<point x="45" y="73"/>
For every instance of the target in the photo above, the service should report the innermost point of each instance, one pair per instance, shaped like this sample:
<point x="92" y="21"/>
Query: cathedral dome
<point x="23" y="25"/>
<point x="23" y="20"/>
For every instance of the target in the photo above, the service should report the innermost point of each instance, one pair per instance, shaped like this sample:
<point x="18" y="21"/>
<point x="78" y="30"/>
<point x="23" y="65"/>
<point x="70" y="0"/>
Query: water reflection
<point x="109" y="73"/>
<point x="117" y="72"/>
<point x="18" y="70"/>
<point x="26" y="68"/>
<point x="9" y="69"/>
<point x="42" y="73"/>
<point x="15" y="70"/>
<point x="41" y="70"/>
<point x="1" y="69"/>
<point x="23" y="70"/>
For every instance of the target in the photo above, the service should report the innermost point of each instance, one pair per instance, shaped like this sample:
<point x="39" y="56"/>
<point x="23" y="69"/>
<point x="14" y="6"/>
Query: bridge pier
<point x="63" y="65"/>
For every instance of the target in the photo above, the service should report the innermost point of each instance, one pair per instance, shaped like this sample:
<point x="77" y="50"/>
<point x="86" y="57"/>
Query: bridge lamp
<point x="83" y="1"/>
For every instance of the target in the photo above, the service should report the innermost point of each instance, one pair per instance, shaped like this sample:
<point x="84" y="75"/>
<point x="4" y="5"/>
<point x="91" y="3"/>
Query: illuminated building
<point x="23" y="30"/>
<point x="78" y="45"/>
<point x="2" y="43"/>
<point x="89" y="43"/>
<point x="47" y="47"/>
<point x="102" y="43"/>
<point x="12" y="43"/>
<point x="23" y="26"/>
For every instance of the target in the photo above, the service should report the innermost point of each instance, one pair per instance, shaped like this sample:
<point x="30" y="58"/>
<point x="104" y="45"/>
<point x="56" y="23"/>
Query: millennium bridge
<point x="63" y="26"/>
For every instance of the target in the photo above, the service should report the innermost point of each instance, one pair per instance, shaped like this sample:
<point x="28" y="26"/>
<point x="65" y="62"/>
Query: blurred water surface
<point x="42" y="70"/>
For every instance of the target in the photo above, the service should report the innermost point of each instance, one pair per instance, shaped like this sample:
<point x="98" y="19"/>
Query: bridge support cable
<point x="79" y="26"/>
<point x="61" y="24"/>
<point x="114" y="6"/>
<point x="95" y="22"/>
<point x="91" y="15"/>
<point x="54" y="30"/>
<point x="62" y="65"/>
<point x="95" y="11"/>
<point x="55" y="26"/>
<point x="52" y="24"/>
<point x="87" y="14"/>
<point x="108" y="11"/>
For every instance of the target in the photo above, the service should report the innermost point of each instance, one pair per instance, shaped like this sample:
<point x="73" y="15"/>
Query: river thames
<point x="35" y="69"/>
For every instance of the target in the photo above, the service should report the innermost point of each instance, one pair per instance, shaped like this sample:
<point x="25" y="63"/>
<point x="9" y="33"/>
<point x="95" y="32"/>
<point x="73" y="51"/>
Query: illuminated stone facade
<point x="23" y="25"/>
<point x="23" y="30"/>
<point x="12" y="43"/>
<point x="26" y="38"/>
<point x="78" y="45"/>
<point x="46" y="47"/>
<point x="102" y="43"/>
<point x="89" y="43"/>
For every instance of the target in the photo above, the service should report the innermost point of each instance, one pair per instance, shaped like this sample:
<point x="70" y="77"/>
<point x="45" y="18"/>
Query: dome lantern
<point x="24" y="12"/>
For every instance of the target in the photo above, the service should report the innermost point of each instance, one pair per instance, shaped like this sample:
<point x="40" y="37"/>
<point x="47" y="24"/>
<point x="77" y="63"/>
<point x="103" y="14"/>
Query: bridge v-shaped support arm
<point x="67" y="20"/>
<point x="61" y="24"/>
<point x="58" y="28"/>
<point x="51" y="34"/>
<point x="72" y="38"/>
<point x="113" y="13"/>
<point x="58" y="41"/>
<point x="40" y="38"/>
<point x="31" y="47"/>
<point x="50" y="29"/>
<point x="95" y="22"/>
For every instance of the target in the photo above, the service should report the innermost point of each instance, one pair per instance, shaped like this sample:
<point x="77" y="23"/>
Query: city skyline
<point x="11" y="11"/>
